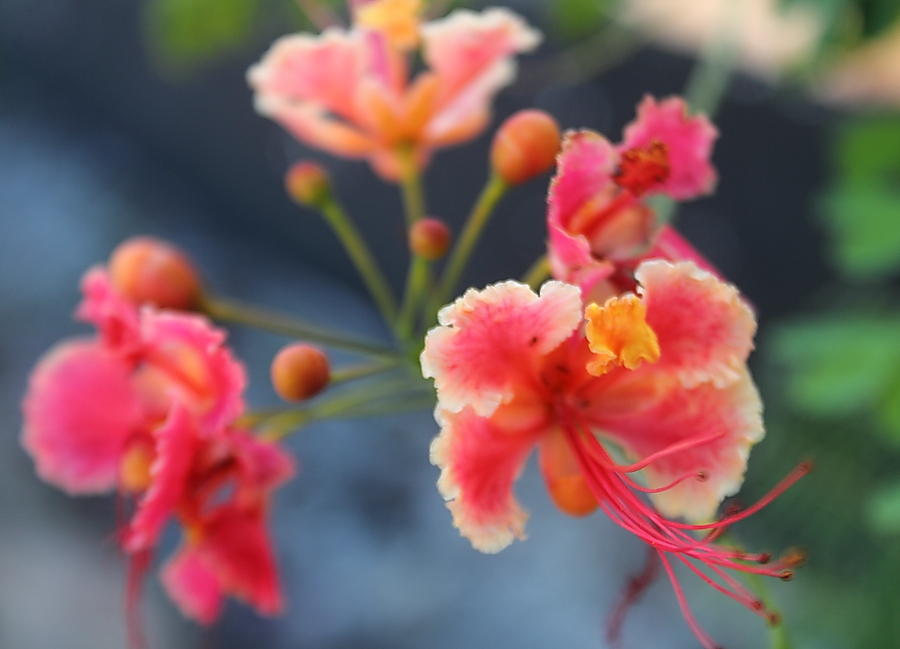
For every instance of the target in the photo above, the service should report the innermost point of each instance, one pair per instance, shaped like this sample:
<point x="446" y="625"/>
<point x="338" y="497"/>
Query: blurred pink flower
<point x="350" y="92"/>
<point x="597" y="220"/>
<point x="661" y="375"/>
<point x="148" y="407"/>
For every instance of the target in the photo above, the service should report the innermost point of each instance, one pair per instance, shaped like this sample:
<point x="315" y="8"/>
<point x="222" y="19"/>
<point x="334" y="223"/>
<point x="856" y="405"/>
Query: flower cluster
<point x="148" y="407"/>
<point x="627" y="370"/>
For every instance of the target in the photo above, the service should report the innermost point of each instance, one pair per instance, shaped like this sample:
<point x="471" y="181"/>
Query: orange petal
<point x="566" y="483"/>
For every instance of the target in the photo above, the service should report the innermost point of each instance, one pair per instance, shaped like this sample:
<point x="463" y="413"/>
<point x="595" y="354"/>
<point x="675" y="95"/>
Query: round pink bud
<point x="300" y="371"/>
<point x="145" y="269"/>
<point x="307" y="184"/>
<point x="429" y="238"/>
<point x="525" y="146"/>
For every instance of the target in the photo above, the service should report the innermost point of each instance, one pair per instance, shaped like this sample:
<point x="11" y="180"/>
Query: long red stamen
<point x="615" y="492"/>
<point x="700" y="476"/>
<point x="137" y="568"/>
<point x="684" y="445"/>
<point x="699" y="633"/>
<point x="633" y="592"/>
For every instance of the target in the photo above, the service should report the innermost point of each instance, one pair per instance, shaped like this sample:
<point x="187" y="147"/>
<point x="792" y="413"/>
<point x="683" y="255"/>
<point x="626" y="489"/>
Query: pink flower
<point x="660" y="375"/>
<point x="147" y="407"/>
<point x="349" y="92"/>
<point x="598" y="223"/>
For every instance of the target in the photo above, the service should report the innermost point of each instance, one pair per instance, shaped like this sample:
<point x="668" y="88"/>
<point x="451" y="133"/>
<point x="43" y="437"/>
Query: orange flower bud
<point x="145" y="269"/>
<point x="307" y="184"/>
<point x="525" y="146"/>
<point x="429" y="238"/>
<point x="300" y="371"/>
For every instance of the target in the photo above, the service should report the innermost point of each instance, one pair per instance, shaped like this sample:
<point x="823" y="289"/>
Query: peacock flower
<point x="597" y="219"/>
<point x="147" y="407"/>
<point x="349" y="92"/>
<point x="659" y="375"/>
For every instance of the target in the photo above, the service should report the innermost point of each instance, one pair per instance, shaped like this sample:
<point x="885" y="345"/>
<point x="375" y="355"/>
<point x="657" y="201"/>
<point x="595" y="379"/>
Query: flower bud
<point x="300" y="371"/>
<point x="429" y="238"/>
<point x="307" y="184"/>
<point x="525" y="146"/>
<point x="145" y="269"/>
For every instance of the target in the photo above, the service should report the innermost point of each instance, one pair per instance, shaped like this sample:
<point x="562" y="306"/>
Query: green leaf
<point x="186" y="33"/>
<point x="865" y="223"/>
<point x="868" y="150"/>
<point x="575" y="19"/>
<point x="839" y="365"/>
<point x="883" y="510"/>
<point x="889" y="413"/>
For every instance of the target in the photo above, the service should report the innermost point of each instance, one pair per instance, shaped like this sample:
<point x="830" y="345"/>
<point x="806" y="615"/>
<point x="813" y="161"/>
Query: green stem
<point x="493" y="191"/>
<point x="418" y="276"/>
<point x="362" y="370"/>
<point x="359" y="402"/>
<point x="539" y="271"/>
<point x="228" y="310"/>
<point x="363" y="260"/>
<point x="411" y="184"/>
<point x="705" y="90"/>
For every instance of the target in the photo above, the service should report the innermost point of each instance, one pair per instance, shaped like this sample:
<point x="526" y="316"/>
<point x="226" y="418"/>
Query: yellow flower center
<point x="618" y="335"/>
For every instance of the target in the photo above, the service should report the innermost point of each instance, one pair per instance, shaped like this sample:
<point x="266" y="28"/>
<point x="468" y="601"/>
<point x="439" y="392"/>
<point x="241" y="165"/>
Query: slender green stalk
<point x="493" y="191"/>
<point x="417" y="281"/>
<point x="411" y="184"/>
<point x="705" y="90"/>
<point x="361" y="371"/>
<point x="418" y="276"/>
<point x="362" y="258"/>
<point x="360" y="402"/>
<point x="228" y="310"/>
<point x="539" y="271"/>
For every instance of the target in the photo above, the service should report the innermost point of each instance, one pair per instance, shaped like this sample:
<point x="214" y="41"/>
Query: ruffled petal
<point x="688" y="140"/>
<point x="705" y="329"/>
<point x="479" y="462"/>
<point x="471" y="53"/>
<point x="571" y="261"/>
<point x="322" y="71"/>
<point x="115" y="317"/>
<point x="489" y="341"/>
<point x="671" y="246"/>
<point x="79" y="413"/>
<point x="583" y="177"/>
<point x="193" y="587"/>
<point x="263" y="466"/>
<point x="176" y="446"/>
<point x="200" y="372"/>
<point x="717" y="427"/>
<point x="234" y="545"/>
<point x="311" y="124"/>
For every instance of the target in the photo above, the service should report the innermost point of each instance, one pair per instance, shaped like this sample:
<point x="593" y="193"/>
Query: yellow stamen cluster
<point x="398" y="20"/>
<point x="619" y="335"/>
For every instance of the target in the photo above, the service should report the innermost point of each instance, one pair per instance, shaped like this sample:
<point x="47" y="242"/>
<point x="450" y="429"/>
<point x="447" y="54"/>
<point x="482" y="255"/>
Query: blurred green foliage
<point x="832" y="386"/>
<point x="849" y="23"/>
<point x="576" y="19"/>
<point x="190" y="32"/>
<point x="861" y="207"/>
